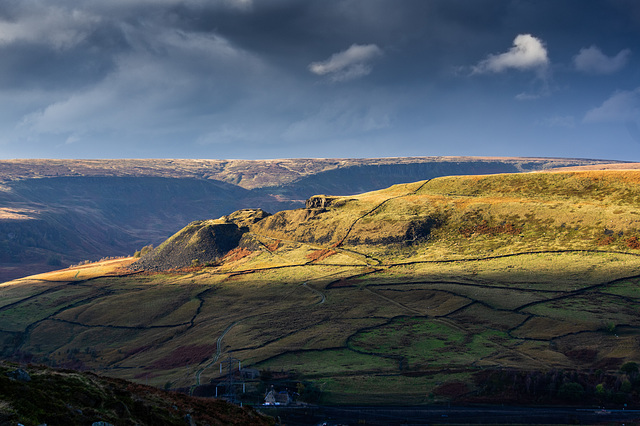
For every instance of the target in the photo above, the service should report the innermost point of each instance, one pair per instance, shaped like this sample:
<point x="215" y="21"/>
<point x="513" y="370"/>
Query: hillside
<point x="38" y="395"/>
<point x="59" y="212"/>
<point x="518" y="288"/>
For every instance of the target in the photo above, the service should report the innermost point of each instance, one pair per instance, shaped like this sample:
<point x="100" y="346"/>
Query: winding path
<point x="323" y="298"/>
<point x="216" y="357"/>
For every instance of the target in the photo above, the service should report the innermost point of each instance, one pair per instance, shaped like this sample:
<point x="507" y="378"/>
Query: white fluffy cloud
<point x="592" y="60"/>
<point x="622" y="106"/>
<point x="348" y="64"/>
<point x="527" y="53"/>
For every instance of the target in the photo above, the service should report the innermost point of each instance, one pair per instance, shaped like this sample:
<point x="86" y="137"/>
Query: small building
<point x="277" y="398"/>
<point x="270" y="398"/>
<point x="283" y="398"/>
<point x="250" y="373"/>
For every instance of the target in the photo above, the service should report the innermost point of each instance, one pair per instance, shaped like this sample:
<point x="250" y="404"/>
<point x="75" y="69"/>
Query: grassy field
<point x="405" y="294"/>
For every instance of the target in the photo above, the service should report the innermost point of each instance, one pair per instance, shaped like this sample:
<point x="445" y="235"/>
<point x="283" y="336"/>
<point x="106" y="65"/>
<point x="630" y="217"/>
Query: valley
<point x="510" y="288"/>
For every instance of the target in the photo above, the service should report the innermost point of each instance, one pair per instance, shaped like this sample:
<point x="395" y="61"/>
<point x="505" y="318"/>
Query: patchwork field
<point x="451" y="289"/>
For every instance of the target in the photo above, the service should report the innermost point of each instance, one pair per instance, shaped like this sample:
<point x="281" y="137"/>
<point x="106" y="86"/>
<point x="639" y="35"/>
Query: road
<point x="216" y="357"/>
<point x="420" y="416"/>
<point x="323" y="298"/>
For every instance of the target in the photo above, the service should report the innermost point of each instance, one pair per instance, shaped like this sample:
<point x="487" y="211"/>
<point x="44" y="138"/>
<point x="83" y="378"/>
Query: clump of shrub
<point x="558" y="386"/>
<point x="144" y="250"/>
<point x="629" y="367"/>
<point x="633" y="243"/>
<point x="571" y="391"/>
<point x="606" y="241"/>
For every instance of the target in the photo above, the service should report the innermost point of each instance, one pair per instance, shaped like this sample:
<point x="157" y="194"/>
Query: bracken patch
<point x="184" y="355"/>
<point x="275" y="245"/>
<point x="633" y="243"/>
<point x="236" y="254"/>
<point x="606" y="241"/>
<point x="319" y="255"/>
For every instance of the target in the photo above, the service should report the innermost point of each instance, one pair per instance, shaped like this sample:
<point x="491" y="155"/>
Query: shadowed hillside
<point x="39" y="395"/>
<point x="59" y="221"/>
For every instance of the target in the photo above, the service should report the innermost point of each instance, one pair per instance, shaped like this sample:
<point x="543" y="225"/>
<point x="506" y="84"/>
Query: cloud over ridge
<point x="527" y="53"/>
<point x="348" y="64"/>
<point x="622" y="106"/>
<point x="591" y="60"/>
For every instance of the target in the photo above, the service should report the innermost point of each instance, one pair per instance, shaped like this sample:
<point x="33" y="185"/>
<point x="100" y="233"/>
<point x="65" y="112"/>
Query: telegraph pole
<point x="230" y="393"/>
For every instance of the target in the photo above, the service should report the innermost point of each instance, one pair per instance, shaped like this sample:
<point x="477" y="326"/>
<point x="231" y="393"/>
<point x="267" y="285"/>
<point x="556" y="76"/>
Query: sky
<point x="260" y="79"/>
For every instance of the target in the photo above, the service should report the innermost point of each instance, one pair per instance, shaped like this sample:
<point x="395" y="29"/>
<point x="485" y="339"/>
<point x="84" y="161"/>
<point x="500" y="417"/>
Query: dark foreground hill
<point x="513" y="288"/>
<point x="59" y="212"/>
<point x="37" y="395"/>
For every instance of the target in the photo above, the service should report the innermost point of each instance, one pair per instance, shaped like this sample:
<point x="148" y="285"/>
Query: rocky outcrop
<point x="320" y="202"/>
<point x="246" y="217"/>
<point x="199" y="243"/>
<point x="203" y="242"/>
<point x="19" y="375"/>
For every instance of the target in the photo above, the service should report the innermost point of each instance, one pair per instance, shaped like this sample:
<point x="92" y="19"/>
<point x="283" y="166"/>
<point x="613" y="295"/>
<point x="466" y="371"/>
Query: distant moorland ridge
<point x="250" y="174"/>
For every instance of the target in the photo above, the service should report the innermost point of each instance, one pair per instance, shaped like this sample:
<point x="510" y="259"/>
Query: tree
<point x="629" y="367"/>
<point x="571" y="391"/>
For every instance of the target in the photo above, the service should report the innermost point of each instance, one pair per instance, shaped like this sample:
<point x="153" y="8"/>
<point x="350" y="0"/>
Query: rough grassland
<point x="421" y="292"/>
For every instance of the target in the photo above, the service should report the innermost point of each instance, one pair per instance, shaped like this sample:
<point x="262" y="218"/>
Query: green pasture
<point x="11" y="293"/>
<point x="385" y="389"/>
<point x="594" y="308"/>
<point x="627" y="288"/>
<point x="329" y="362"/>
<point x="35" y="309"/>
<point x="426" y="343"/>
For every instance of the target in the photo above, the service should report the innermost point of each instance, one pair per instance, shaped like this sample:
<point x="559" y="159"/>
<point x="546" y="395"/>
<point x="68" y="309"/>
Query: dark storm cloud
<point x="271" y="78"/>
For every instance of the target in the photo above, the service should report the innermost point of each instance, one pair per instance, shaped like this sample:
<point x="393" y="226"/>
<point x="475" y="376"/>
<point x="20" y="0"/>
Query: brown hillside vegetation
<point x="477" y="214"/>
<point x="468" y="288"/>
<point x="36" y="395"/>
<point x="601" y="166"/>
